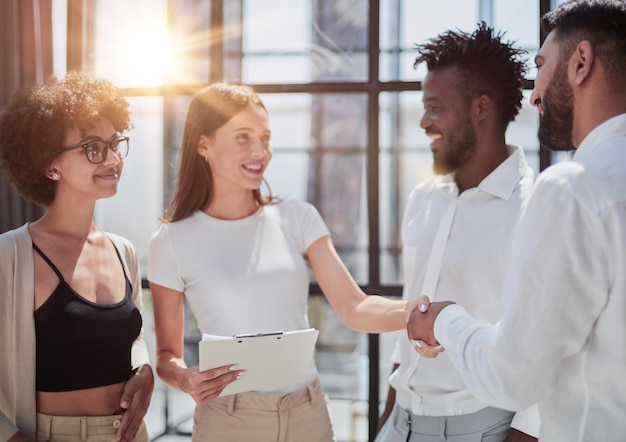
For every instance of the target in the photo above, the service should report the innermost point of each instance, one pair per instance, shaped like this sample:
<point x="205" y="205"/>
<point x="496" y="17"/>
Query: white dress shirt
<point x="562" y="336"/>
<point x="457" y="247"/>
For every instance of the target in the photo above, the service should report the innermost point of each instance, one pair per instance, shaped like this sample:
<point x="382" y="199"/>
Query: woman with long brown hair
<point x="241" y="260"/>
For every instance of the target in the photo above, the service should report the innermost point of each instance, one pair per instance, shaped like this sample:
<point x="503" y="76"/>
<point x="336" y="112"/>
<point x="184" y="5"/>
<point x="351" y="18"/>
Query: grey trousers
<point x="487" y="425"/>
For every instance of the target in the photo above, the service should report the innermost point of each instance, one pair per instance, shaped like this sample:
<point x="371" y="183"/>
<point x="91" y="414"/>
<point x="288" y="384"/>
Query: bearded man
<point x="561" y="340"/>
<point x="457" y="231"/>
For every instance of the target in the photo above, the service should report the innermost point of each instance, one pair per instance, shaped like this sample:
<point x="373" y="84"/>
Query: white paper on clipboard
<point x="271" y="360"/>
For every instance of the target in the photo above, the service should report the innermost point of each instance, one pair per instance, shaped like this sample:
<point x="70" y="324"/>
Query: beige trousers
<point x="301" y="416"/>
<point x="89" y="428"/>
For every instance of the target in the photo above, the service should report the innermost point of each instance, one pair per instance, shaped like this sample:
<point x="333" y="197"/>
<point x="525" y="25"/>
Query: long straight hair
<point x="210" y="109"/>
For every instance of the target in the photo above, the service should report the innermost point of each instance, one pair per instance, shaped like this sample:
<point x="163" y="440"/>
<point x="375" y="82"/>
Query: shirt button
<point x="117" y="423"/>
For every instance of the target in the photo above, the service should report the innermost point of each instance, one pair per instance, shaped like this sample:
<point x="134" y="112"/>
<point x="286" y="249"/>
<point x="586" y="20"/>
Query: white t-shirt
<point x="562" y="336"/>
<point x="475" y="257"/>
<point x="242" y="276"/>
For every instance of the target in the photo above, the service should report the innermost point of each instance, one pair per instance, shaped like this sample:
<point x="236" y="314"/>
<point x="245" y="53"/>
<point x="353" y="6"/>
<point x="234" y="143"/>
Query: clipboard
<point x="271" y="360"/>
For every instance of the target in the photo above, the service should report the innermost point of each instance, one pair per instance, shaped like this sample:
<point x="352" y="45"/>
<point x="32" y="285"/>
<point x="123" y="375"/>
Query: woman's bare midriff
<point x="99" y="401"/>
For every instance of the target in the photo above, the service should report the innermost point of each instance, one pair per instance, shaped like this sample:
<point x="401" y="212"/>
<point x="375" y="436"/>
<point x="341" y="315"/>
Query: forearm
<point x="375" y="314"/>
<point x="491" y="376"/>
<point x="19" y="437"/>
<point x="554" y="293"/>
<point x="359" y="311"/>
<point x="139" y="352"/>
<point x="8" y="430"/>
<point x="172" y="370"/>
<point x="496" y="367"/>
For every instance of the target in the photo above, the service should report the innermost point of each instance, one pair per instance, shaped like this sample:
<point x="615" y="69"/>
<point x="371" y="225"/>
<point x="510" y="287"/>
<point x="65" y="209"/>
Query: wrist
<point x="408" y="308"/>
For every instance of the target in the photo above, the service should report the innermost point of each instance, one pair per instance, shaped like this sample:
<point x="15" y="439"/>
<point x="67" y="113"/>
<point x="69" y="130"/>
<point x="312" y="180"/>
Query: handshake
<point x="420" y="325"/>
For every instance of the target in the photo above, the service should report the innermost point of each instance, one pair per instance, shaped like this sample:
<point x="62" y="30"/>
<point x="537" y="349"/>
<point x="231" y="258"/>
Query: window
<point x="344" y="100"/>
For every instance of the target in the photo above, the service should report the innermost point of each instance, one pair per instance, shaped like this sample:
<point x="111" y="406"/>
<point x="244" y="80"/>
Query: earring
<point x="206" y="159"/>
<point x="55" y="176"/>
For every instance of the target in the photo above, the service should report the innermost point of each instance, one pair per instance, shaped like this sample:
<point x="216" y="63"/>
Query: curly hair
<point x="34" y="125"/>
<point x="211" y="108"/>
<point x="602" y="23"/>
<point x="486" y="64"/>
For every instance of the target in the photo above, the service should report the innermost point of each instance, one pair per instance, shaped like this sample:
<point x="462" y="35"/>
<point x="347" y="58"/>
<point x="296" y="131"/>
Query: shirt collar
<point x="615" y="126"/>
<point x="501" y="182"/>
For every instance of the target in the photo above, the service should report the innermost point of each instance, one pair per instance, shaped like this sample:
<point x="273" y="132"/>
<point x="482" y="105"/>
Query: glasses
<point x="96" y="150"/>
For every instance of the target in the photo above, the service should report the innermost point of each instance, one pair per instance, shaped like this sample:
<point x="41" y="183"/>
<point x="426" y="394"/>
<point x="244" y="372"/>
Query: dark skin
<point x="445" y="112"/>
<point x="135" y="402"/>
<point x="89" y="263"/>
<point x="391" y="399"/>
<point x="517" y="436"/>
<point x="421" y="323"/>
<point x="420" y="327"/>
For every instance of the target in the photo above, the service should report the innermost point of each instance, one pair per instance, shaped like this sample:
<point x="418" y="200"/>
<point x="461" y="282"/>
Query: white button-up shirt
<point x="465" y="240"/>
<point x="562" y="336"/>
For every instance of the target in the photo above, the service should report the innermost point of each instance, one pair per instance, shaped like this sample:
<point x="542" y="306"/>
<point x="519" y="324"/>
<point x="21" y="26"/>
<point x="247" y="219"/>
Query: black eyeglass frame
<point x="111" y="144"/>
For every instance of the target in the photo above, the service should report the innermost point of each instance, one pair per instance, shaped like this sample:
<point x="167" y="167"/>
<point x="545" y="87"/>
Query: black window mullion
<point x="373" y="202"/>
<point x="545" y="156"/>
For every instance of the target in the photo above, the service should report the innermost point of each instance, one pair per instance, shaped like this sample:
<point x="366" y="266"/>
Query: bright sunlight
<point x="133" y="48"/>
<point x="146" y="59"/>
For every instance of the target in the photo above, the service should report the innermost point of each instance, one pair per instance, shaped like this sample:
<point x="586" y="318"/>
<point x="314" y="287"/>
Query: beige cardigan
<point x="17" y="328"/>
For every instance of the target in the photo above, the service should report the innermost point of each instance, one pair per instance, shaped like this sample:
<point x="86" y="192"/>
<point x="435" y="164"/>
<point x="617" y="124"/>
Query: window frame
<point x="79" y="43"/>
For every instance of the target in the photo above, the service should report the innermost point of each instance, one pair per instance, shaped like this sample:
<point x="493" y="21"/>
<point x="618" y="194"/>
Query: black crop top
<point x="81" y="344"/>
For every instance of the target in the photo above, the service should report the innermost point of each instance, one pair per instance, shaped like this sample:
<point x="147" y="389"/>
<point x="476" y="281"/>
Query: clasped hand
<point x="135" y="401"/>
<point x="420" y="326"/>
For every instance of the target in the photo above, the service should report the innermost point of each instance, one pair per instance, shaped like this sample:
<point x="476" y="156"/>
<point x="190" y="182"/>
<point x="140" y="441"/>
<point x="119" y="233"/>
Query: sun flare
<point x="137" y="54"/>
<point x="147" y="59"/>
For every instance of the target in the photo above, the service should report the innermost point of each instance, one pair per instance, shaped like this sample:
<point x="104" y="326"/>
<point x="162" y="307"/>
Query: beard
<point x="556" y="123"/>
<point x="460" y="148"/>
